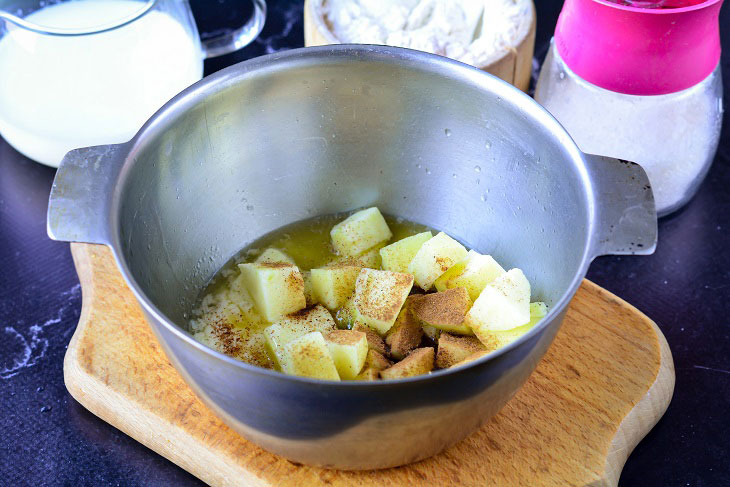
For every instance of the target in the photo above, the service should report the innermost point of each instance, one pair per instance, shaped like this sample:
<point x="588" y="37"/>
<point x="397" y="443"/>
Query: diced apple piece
<point x="333" y="286"/>
<point x="294" y="326"/>
<point x="499" y="339"/>
<point x="470" y="359"/>
<point x="309" y="356"/>
<point x="368" y="374"/>
<point x="374" y="341"/>
<point x="538" y="310"/>
<point x="503" y="305"/>
<point x="274" y="256"/>
<point x="418" y="362"/>
<point x="348" y="349"/>
<point x="406" y="333"/>
<point x="376" y="361"/>
<point x="453" y="349"/>
<point x="379" y="296"/>
<point x="435" y="257"/>
<point x="397" y="256"/>
<point x="472" y="273"/>
<point x="277" y="289"/>
<point x="445" y="310"/>
<point x="346" y="319"/>
<point x="359" y="232"/>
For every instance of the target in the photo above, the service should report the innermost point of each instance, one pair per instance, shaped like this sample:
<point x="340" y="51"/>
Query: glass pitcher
<point x="91" y="72"/>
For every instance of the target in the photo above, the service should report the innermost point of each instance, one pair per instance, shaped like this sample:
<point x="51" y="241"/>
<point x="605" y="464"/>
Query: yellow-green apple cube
<point x="538" y="310"/>
<point x="472" y="273"/>
<point x="309" y="356"/>
<point x="375" y="341"/>
<point x="359" y="232"/>
<point x="406" y="333"/>
<point x="379" y="297"/>
<point x="453" y="349"/>
<point x="418" y="362"/>
<point x="294" y="326"/>
<point x="348" y="349"/>
<point x="277" y="289"/>
<point x="376" y="361"/>
<point x="396" y="256"/>
<point x="273" y="256"/>
<point x="445" y="310"/>
<point x="436" y="256"/>
<point x="332" y="286"/>
<point x="503" y="305"/>
<point x="471" y="358"/>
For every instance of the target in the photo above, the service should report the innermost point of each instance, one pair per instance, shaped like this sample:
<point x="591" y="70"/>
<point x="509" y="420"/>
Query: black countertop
<point x="49" y="439"/>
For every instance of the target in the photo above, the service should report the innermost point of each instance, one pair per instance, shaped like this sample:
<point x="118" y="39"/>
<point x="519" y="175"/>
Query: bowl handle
<point x="626" y="219"/>
<point x="78" y="208"/>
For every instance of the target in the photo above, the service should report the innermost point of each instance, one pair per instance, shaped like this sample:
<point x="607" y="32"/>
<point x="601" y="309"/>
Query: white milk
<point x="61" y="93"/>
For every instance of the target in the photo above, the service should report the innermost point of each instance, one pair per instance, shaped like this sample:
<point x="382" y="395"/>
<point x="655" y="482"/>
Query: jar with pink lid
<point x="640" y="80"/>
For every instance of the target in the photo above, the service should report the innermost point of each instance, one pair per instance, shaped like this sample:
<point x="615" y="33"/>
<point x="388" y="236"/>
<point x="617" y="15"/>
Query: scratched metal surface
<point x="48" y="439"/>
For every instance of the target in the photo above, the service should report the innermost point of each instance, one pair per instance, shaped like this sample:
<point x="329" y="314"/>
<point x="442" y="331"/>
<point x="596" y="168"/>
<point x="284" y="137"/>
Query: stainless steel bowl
<point x="313" y="131"/>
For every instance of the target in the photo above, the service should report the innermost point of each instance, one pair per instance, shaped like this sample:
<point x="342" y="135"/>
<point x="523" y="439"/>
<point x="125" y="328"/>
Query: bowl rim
<point x="236" y="73"/>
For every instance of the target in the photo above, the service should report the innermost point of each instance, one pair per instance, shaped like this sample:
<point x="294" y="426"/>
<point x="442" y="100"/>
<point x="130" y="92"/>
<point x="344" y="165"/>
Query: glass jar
<point x="627" y="109"/>
<point x="674" y="137"/>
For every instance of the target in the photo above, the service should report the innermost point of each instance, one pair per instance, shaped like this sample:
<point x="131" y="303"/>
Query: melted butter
<point x="307" y="242"/>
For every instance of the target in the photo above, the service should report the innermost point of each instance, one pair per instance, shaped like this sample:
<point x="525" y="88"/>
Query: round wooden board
<point x="515" y="67"/>
<point x="604" y="383"/>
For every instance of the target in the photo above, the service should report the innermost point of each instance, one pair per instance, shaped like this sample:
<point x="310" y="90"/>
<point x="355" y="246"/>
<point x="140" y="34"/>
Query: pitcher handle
<point x="239" y="38"/>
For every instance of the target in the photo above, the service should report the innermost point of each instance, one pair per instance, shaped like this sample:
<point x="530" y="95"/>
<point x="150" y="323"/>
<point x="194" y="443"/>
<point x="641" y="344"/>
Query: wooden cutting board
<point x="604" y="383"/>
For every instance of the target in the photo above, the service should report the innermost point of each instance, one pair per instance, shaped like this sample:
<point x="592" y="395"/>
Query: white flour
<point x="476" y="32"/>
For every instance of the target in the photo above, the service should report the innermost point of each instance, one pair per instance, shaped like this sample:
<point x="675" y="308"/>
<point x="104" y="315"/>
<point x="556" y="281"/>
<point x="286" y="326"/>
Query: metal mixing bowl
<point x="314" y="131"/>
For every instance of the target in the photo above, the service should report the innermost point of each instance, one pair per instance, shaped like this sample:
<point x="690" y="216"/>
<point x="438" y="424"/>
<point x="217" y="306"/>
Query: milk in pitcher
<point x="58" y="93"/>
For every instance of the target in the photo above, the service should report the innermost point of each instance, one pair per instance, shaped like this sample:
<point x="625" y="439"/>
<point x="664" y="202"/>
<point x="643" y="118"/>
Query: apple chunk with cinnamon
<point x="354" y="299"/>
<point x="379" y="296"/>
<point x="445" y="310"/>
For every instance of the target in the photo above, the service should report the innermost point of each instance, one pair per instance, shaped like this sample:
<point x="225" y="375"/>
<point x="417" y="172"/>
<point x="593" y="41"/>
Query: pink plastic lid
<point x="639" y="51"/>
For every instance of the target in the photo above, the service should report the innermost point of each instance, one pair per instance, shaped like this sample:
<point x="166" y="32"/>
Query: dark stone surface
<point x="49" y="439"/>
